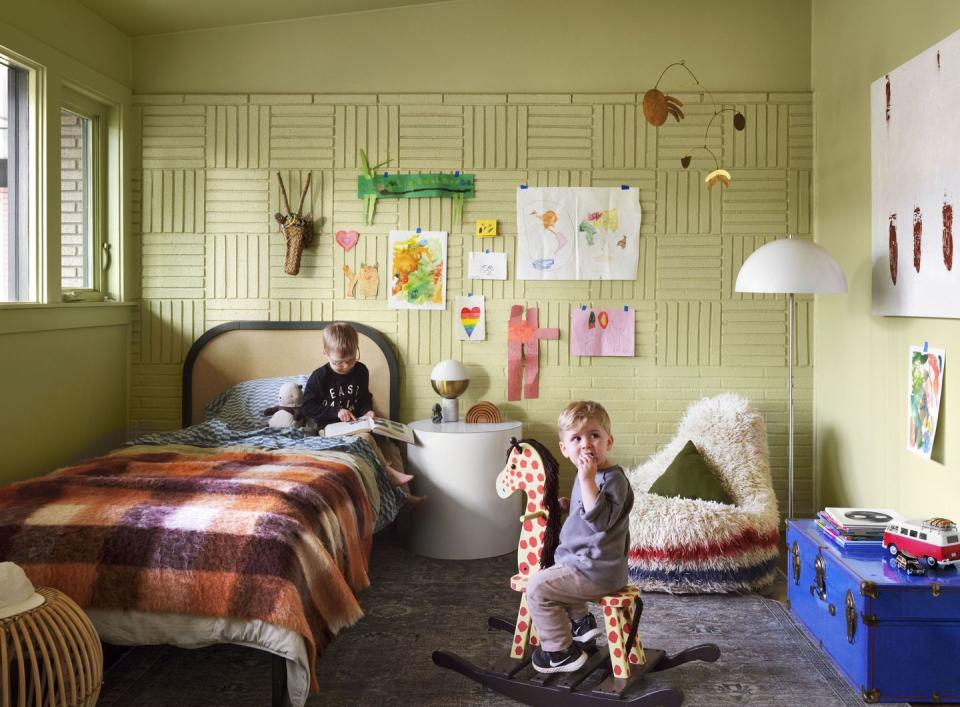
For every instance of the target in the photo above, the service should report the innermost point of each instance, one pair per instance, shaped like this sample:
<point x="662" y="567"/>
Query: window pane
<point x="76" y="212"/>
<point x="15" y="273"/>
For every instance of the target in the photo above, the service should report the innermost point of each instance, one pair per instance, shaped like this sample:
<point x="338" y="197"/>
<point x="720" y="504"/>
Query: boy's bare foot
<point x="398" y="478"/>
<point x="413" y="501"/>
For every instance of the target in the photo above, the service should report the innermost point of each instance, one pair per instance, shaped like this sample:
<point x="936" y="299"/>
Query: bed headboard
<point x="239" y="351"/>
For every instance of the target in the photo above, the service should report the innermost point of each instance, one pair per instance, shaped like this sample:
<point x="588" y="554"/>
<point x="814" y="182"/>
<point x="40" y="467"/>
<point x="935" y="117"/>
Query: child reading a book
<point x="340" y="390"/>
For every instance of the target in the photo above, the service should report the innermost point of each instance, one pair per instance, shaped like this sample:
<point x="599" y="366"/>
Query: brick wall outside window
<point x="73" y="241"/>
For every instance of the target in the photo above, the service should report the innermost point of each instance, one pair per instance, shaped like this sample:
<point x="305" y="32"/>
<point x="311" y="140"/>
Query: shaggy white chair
<point x="687" y="546"/>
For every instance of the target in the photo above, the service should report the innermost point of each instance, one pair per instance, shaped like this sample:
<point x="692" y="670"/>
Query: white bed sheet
<point x="138" y="628"/>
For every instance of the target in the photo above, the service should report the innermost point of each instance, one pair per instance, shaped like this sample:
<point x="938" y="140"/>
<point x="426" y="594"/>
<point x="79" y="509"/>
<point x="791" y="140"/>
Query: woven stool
<point x="53" y="653"/>
<point x="618" y="612"/>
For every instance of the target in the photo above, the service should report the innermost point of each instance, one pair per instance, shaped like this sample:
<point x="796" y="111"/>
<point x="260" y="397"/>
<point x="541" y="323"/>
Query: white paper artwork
<point x="470" y="318"/>
<point x="578" y="233"/>
<point x="916" y="184"/>
<point x="487" y="266"/>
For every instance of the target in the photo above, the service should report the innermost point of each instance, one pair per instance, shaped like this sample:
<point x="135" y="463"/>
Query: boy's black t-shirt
<point x="328" y="392"/>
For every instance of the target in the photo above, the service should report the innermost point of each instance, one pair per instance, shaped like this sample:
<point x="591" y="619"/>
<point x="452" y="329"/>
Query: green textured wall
<point x="212" y="253"/>
<point x="861" y="360"/>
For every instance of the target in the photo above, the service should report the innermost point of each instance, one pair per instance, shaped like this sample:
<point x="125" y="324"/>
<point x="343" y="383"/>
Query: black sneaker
<point x="584" y="629"/>
<point x="565" y="661"/>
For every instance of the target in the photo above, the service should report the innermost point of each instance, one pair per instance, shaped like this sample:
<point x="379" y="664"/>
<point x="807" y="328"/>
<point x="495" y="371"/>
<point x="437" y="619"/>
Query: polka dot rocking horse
<point x="623" y="662"/>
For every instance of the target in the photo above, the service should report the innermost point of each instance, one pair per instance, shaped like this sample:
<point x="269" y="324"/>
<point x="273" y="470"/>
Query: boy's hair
<point x="340" y="338"/>
<point x="578" y="412"/>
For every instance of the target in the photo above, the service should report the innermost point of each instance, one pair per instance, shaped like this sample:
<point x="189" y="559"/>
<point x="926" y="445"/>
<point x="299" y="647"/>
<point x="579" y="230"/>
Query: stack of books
<point x="855" y="527"/>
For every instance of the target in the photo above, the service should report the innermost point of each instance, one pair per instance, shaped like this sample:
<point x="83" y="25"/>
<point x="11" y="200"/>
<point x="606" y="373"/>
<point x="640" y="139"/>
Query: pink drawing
<point x="347" y="239"/>
<point x="602" y="332"/>
<point x="523" y="347"/>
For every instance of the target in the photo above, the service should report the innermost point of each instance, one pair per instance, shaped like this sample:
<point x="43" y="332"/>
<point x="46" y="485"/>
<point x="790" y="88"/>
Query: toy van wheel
<point x="893" y="550"/>
<point x="931" y="562"/>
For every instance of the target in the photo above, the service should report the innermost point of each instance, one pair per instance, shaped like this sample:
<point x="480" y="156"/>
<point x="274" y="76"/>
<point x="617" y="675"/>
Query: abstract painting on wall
<point x="418" y="270"/>
<point x="916" y="185"/>
<point x="601" y="331"/>
<point x="578" y="233"/>
<point x="926" y="384"/>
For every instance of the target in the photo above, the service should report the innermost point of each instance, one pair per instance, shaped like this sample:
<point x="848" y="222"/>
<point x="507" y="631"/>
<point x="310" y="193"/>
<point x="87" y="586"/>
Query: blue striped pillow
<point x="241" y="406"/>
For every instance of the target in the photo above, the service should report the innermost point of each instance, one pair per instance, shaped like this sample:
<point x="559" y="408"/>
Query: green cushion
<point x="688" y="476"/>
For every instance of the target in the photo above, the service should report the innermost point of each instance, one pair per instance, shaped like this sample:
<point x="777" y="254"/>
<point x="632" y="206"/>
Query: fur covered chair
<point x="685" y="545"/>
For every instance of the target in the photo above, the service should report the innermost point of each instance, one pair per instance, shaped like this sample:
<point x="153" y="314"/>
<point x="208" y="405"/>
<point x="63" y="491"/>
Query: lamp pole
<point x="791" y="308"/>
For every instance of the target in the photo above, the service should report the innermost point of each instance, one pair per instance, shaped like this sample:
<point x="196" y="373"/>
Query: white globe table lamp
<point x="791" y="266"/>
<point x="449" y="379"/>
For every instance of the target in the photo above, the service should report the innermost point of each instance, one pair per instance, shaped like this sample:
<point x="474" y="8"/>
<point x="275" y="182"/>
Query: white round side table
<point x="456" y="466"/>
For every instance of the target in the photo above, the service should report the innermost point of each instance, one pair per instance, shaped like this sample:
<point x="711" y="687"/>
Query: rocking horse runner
<point x="616" y="667"/>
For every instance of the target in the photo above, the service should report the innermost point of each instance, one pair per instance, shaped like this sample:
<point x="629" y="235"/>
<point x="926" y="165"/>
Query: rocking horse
<point x="617" y="667"/>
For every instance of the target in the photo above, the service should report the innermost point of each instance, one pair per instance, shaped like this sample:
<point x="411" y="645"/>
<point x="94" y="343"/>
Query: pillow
<point x="241" y="406"/>
<point x="688" y="476"/>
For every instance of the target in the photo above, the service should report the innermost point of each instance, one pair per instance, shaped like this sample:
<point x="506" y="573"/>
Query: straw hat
<point x="16" y="591"/>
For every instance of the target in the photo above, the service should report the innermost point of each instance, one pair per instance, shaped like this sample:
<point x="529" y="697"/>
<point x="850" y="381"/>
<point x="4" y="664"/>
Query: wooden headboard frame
<point x="239" y="351"/>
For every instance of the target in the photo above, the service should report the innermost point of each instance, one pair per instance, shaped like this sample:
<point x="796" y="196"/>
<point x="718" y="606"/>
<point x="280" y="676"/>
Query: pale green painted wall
<point x="861" y="381"/>
<point x="212" y="253"/>
<point x="492" y="46"/>
<point x="63" y="369"/>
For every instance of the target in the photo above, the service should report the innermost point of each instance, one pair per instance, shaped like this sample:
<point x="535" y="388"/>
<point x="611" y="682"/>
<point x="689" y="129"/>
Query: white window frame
<point x="32" y="265"/>
<point x="98" y="245"/>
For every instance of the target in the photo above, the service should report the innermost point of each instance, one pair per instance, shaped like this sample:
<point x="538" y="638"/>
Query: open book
<point x="377" y="425"/>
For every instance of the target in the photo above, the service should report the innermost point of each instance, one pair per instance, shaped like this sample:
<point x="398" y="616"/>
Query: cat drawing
<point x="369" y="279"/>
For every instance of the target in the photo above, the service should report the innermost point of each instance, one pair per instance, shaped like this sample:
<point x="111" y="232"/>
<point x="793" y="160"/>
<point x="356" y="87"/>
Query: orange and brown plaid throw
<point x="280" y="537"/>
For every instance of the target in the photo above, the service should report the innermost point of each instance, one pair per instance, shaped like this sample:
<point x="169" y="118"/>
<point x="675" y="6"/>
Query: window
<point x="892" y="529"/>
<point x="82" y="196"/>
<point x="17" y="256"/>
<point x="923" y="536"/>
<point x="951" y="539"/>
<point x="913" y="533"/>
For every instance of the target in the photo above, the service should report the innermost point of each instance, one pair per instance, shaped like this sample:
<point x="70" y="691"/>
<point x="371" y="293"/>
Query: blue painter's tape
<point x="419" y="231"/>
<point x="457" y="173"/>
<point x="626" y="308"/>
<point x="487" y="250"/>
<point x="469" y="294"/>
<point x="523" y="186"/>
<point x="624" y="187"/>
<point x="583" y="308"/>
<point x="925" y="347"/>
<point x="386" y="174"/>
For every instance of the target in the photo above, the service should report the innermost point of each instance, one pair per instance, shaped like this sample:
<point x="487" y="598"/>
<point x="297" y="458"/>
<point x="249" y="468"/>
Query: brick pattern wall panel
<point x="559" y="137"/>
<point x="173" y="136"/>
<point x="372" y="128"/>
<point x="238" y="137"/>
<point x="759" y="204"/>
<point x="173" y="201"/>
<point x="302" y="136"/>
<point x="431" y="138"/>
<point x="172" y="265"/>
<point x="494" y="137"/>
<point x="237" y="201"/>
<point x="212" y="252"/>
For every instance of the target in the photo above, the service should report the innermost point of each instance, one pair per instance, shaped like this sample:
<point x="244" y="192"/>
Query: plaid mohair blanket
<point x="240" y="533"/>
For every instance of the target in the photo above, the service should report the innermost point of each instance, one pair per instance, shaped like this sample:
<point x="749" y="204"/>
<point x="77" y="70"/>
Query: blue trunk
<point x="895" y="637"/>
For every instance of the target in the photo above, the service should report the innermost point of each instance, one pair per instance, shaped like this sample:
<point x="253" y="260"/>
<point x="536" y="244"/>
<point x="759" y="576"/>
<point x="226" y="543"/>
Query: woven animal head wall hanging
<point x="295" y="227"/>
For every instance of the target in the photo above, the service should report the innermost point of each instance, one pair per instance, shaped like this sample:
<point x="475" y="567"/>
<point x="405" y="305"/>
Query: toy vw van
<point x="934" y="541"/>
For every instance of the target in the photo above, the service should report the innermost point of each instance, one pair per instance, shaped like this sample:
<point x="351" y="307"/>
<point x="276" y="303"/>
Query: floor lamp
<point x="791" y="266"/>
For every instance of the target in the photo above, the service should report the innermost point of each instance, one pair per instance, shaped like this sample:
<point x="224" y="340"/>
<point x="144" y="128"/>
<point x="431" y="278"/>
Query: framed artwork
<point x="578" y="233"/>
<point x="418" y="270"/>
<point x="915" y="150"/>
<point x="923" y="407"/>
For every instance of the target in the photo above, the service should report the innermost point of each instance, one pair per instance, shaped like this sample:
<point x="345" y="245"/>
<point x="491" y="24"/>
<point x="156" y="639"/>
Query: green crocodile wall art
<point x="371" y="187"/>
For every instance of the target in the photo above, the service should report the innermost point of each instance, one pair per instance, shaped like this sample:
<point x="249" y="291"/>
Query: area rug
<point x="416" y="605"/>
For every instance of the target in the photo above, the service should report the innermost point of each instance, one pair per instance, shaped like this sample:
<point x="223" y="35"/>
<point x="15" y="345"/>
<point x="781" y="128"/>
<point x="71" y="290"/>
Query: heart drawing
<point x="347" y="239"/>
<point x="469" y="317"/>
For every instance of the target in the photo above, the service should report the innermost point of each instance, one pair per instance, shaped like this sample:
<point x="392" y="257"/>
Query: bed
<point x="224" y="531"/>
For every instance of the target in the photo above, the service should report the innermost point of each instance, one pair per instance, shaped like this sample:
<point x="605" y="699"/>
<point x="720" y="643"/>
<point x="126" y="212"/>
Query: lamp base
<point x="449" y="409"/>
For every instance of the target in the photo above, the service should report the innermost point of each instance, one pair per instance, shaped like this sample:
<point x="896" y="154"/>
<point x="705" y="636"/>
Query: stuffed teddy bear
<point x="287" y="413"/>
